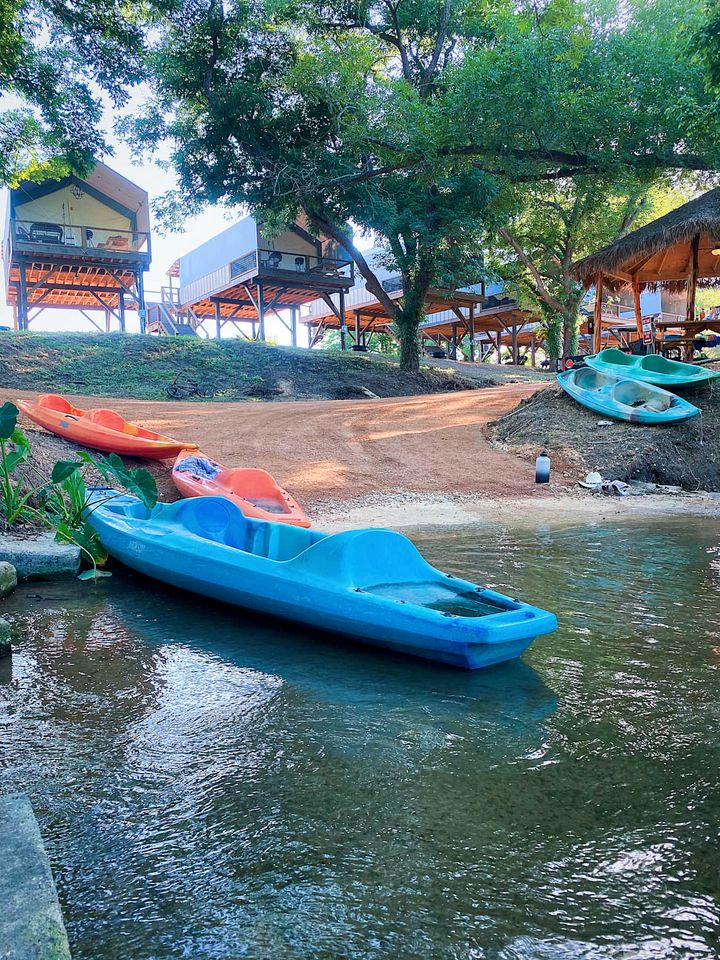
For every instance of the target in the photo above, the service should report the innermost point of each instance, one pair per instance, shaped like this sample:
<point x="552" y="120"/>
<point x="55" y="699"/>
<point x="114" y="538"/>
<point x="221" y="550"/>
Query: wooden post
<point x="343" y="324"/>
<point x="472" y="332"/>
<point x="499" y="346"/>
<point x="293" y="324"/>
<point x="310" y="335"/>
<point x="597" y="335"/>
<point x="261" y="313"/>
<point x="142" y="310"/>
<point x="218" y="321"/>
<point x="514" y="344"/>
<point x="107" y="321"/>
<point x="24" y="322"/>
<point x="691" y="293"/>
<point x="121" y="310"/>
<point x="532" y="349"/>
<point x="357" y="328"/>
<point x="638" y="308"/>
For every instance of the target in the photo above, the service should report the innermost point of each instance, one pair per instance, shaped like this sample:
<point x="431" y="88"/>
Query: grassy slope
<point x="116" y="365"/>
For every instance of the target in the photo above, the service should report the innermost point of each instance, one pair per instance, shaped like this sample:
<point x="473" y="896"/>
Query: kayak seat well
<point x="588" y="379"/>
<point x="53" y="401"/>
<point x="112" y="420"/>
<point x="615" y="356"/>
<point x="222" y="521"/>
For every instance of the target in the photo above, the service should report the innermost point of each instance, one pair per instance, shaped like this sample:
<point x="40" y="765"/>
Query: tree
<point x="407" y="117"/>
<point x="544" y="228"/>
<point x="50" y="53"/>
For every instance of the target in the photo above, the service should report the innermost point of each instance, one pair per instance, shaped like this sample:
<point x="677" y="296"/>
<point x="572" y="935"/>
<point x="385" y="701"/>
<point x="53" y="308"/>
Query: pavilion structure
<point x="678" y="251"/>
<point x="362" y="315"/>
<point x="498" y="322"/>
<point x="242" y="276"/>
<point x="78" y="243"/>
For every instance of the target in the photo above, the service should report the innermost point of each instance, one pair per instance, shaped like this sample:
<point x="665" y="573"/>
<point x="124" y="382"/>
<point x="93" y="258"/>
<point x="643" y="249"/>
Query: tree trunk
<point x="408" y="318"/>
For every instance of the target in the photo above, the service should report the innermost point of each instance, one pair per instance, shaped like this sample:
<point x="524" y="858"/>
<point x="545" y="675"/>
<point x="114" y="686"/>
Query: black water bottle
<point x="542" y="468"/>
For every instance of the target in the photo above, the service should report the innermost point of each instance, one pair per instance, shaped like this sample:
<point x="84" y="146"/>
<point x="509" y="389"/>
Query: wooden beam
<point x="691" y="292"/>
<point x="597" y="335"/>
<point x="636" y="302"/>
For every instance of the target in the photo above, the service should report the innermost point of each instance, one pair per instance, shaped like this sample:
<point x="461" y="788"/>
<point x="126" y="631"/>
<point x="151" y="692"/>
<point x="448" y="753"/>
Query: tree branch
<point x="542" y="290"/>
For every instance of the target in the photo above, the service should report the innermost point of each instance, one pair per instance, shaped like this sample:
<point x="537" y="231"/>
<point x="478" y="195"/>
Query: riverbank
<point x="560" y="505"/>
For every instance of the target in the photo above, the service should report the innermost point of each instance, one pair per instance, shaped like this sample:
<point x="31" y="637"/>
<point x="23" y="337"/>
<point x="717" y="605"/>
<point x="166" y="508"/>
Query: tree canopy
<point x="407" y="118"/>
<point x="55" y="57"/>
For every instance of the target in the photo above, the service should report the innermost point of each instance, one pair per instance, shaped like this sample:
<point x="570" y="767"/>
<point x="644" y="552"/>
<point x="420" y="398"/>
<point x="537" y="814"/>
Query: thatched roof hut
<point x="676" y="251"/>
<point x="661" y="251"/>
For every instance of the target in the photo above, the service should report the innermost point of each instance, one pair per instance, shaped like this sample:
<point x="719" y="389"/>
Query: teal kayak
<point x="370" y="585"/>
<point x="624" y="399"/>
<point x="650" y="369"/>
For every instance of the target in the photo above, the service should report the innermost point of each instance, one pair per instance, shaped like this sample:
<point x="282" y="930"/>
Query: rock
<point x="8" y="579"/>
<point x="31" y="923"/>
<point x="40" y="559"/>
<point x="5" y="647"/>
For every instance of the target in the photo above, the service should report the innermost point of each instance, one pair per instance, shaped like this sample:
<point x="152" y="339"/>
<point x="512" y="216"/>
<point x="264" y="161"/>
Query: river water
<point x="214" y="786"/>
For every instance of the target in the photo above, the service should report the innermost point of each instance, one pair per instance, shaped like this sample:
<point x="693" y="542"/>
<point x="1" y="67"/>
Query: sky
<point x="143" y="171"/>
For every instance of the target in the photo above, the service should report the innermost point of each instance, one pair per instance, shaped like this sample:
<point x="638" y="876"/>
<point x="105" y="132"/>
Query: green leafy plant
<point x="14" y="450"/>
<point x="65" y="502"/>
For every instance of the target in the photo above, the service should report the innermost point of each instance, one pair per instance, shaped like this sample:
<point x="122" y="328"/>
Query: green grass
<point x="141" y="367"/>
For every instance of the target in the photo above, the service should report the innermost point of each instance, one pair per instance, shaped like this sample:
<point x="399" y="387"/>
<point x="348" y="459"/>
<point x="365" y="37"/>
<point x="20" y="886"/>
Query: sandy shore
<point x="400" y="462"/>
<point x="559" y="508"/>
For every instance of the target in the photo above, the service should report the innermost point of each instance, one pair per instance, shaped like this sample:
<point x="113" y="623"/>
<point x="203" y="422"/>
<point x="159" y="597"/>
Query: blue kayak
<point x="624" y="399"/>
<point x="651" y="368"/>
<point x="370" y="585"/>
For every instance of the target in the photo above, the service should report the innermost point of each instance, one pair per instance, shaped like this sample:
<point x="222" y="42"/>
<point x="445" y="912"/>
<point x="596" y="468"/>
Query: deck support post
<point x="597" y="317"/>
<point x="218" y="321"/>
<point x="358" y="334"/>
<point x="142" y="310"/>
<point x="514" y="334"/>
<point x="23" y="319"/>
<point x="121" y="310"/>
<point x="691" y="294"/>
<point x="532" y="349"/>
<point x="293" y="324"/>
<point x="261" y="313"/>
<point x="310" y="336"/>
<point x="498" y="346"/>
<point x="636" y="304"/>
<point x="343" y="323"/>
<point x="472" y="332"/>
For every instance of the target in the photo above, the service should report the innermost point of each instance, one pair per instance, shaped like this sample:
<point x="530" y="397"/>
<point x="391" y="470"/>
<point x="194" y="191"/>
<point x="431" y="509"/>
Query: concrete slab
<point x="40" y="559"/>
<point x="31" y="923"/>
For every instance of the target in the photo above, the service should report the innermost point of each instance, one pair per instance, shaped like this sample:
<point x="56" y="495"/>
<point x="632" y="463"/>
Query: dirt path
<point x="343" y="449"/>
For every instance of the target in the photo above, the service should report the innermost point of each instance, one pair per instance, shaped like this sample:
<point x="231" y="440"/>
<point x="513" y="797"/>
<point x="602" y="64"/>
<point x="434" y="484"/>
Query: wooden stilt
<point x="687" y="348"/>
<point x="261" y="313"/>
<point x="597" y="335"/>
<point x="638" y="307"/>
<point x="293" y="324"/>
<point x="532" y="350"/>
<point x="23" y="310"/>
<point x="121" y="310"/>
<point x="472" y="332"/>
<point x="343" y="324"/>
<point x="218" y="321"/>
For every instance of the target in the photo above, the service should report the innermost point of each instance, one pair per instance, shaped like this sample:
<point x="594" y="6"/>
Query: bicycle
<point x="182" y="388"/>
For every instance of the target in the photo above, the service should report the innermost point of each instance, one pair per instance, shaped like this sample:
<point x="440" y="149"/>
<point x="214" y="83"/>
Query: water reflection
<point x="216" y="786"/>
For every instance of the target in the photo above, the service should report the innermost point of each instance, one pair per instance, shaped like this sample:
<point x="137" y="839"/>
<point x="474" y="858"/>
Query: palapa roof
<point x="661" y="251"/>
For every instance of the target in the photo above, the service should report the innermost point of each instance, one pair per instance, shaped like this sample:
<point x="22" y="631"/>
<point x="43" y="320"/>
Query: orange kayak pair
<point x="254" y="491"/>
<point x="100" y="429"/>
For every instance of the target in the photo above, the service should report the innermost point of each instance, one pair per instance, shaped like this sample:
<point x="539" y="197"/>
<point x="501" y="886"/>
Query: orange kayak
<point x="99" y="429"/>
<point x="254" y="491"/>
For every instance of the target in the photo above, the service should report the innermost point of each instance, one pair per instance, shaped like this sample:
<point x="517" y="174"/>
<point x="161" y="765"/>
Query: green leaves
<point x="8" y="419"/>
<point x="63" y="469"/>
<point x="138" y="481"/>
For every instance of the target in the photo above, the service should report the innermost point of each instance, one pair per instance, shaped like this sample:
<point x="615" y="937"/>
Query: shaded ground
<point x="340" y="450"/>
<point x="687" y="454"/>
<point x="117" y="365"/>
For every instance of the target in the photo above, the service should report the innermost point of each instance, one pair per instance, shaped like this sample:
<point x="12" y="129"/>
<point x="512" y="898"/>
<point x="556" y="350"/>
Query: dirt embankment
<point x="686" y="455"/>
<point x="337" y="450"/>
<point x="143" y="368"/>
